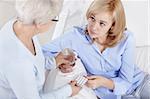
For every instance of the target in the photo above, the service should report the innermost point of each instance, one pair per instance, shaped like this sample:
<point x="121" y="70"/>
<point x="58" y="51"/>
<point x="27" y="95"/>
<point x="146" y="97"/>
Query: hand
<point x="75" y="88"/>
<point x="60" y="59"/>
<point x="64" y="64"/>
<point x="65" y="68"/>
<point x="94" y="81"/>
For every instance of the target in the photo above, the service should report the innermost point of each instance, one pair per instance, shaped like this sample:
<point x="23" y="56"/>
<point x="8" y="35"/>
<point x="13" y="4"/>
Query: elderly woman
<point x="106" y="49"/>
<point x="22" y="64"/>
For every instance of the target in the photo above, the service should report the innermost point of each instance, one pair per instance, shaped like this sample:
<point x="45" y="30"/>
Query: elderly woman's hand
<point x="60" y="59"/>
<point x="63" y="64"/>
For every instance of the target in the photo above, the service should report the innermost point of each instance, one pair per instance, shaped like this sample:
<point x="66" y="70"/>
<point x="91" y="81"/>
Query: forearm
<point x="61" y="93"/>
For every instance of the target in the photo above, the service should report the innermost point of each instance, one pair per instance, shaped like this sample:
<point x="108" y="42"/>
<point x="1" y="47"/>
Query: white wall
<point x="149" y="24"/>
<point x="7" y="11"/>
<point x="137" y="19"/>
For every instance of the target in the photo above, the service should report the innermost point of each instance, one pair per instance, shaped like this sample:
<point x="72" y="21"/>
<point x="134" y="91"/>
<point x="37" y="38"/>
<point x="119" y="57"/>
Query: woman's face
<point x="99" y="24"/>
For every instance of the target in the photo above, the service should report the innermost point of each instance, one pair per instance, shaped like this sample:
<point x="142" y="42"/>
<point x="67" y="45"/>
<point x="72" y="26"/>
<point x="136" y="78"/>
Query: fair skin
<point x="98" y="27"/>
<point x="26" y="32"/>
<point x="60" y="60"/>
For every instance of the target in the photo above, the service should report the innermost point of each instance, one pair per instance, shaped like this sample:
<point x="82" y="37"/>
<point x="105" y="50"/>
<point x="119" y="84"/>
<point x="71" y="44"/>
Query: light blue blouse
<point x="116" y="63"/>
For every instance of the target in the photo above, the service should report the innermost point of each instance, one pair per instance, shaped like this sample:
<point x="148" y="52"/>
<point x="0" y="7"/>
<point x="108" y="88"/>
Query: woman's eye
<point x="92" y="18"/>
<point x="102" y="24"/>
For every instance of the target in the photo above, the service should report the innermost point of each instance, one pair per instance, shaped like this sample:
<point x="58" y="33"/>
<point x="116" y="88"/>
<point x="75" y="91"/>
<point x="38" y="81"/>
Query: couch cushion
<point x="143" y="58"/>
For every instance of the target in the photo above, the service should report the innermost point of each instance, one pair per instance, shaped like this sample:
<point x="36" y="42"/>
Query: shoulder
<point x="6" y="27"/>
<point x="128" y="37"/>
<point x="127" y="41"/>
<point x="6" y="32"/>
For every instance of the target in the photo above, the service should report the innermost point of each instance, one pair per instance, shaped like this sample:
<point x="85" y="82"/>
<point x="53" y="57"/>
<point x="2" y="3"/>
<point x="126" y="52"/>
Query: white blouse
<point x="22" y="74"/>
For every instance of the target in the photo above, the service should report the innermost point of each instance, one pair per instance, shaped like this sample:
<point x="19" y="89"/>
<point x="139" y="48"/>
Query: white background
<point x="137" y="14"/>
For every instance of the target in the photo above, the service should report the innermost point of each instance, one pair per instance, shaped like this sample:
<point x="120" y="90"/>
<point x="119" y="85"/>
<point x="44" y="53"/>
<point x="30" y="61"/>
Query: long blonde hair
<point x="115" y="8"/>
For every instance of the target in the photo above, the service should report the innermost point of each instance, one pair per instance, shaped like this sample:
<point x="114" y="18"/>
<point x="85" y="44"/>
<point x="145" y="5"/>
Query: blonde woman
<point x="22" y="64"/>
<point x="106" y="49"/>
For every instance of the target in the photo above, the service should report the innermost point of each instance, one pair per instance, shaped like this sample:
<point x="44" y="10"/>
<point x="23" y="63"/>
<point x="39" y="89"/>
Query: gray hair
<point x="37" y="11"/>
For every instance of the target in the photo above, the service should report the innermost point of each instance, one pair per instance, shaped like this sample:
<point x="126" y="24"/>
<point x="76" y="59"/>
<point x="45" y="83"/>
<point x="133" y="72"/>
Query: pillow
<point x="143" y="58"/>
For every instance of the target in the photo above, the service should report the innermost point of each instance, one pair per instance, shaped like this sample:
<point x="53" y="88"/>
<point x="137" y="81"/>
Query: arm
<point x="52" y="48"/>
<point x="50" y="51"/>
<point x="100" y="81"/>
<point x="120" y="84"/>
<point x="23" y="83"/>
<point x="126" y="73"/>
<point x="61" y="93"/>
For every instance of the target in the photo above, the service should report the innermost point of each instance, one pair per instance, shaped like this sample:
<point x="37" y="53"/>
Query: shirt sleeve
<point x="50" y="51"/>
<point x="50" y="63"/>
<point x="61" y="93"/>
<point x="52" y="48"/>
<point x="24" y="83"/>
<point x="124" y="80"/>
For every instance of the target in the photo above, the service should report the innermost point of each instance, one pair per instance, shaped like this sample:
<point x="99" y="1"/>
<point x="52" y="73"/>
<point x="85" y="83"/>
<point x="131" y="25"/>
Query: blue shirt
<point x="116" y="63"/>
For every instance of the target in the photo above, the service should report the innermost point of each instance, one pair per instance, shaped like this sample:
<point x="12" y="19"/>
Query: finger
<point x="72" y="64"/>
<point x="63" y="70"/>
<point x="91" y="77"/>
<point x="65" y="61"/>
<point x="66" y="70"/>
<point x="88" y="85"/>
<point x="60" y="55"/>
<point x="73" y="82"/>
<point x="69" y="70"/>
<point x="65" y="66"/>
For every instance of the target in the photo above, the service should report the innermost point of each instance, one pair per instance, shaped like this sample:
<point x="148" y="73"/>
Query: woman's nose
<point x="95" y="27"/>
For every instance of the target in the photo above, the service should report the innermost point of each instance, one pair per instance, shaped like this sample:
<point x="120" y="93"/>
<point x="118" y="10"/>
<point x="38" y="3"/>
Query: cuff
<point x="65" y="91"/>
<point x="120" y="87"/>
<point x="50" y="63"/>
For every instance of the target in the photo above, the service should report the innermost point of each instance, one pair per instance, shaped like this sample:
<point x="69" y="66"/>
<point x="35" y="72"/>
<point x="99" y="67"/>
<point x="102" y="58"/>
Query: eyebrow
<point x="99" y="20"/>
<point x="103" y="21"/>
